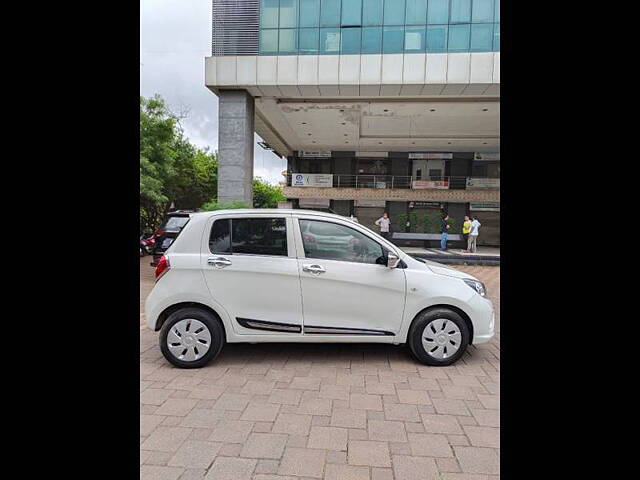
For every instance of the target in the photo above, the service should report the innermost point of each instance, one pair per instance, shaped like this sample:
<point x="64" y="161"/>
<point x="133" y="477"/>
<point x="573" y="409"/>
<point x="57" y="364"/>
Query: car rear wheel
<point x="191" y="338"/>
<point x="439" y="337"/>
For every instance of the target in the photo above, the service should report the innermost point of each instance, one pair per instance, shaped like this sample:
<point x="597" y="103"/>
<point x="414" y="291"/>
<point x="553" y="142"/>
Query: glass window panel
<point x="460" y="11"/>
<point x="331" y="241"/>
<point x="372" y="40"/>
<point x="352" y="13"/>
<point x="416" y="12"/>
<point x="309" y="13"/>
<point x="459" y="38"/>
<point x="496" y="11"/>
<point x="330" y="13"/>
<point x="437" y="38"/>
<point x="308" y="41"/>
<point x="269" y="41"/>
<point x="372" y="12"/>
<point x="438" y="12"/>
<point x="220" y="238"/>
<point x="482" y="11"/>
<point x="288" y="40"/>
<point x="392" y="39"/>
<point x="350" y="38"/>
<point x="482" y="37"/>
<point x="394" y="12"/>
<point x="269" y="14"/>
<point x="259" y="236"/>
<point x="329" y="40"/>
<point x="288" y="13"/>
<point x="496" y="37"/>
<point x="414" y="39"/>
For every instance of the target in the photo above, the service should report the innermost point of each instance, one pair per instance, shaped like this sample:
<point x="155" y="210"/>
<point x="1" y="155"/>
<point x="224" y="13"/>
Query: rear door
<point x="347" y="289"/>
<point x="250" y="267"/>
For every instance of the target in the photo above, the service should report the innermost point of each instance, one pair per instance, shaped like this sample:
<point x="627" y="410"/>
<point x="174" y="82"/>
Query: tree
<point x="266" y="195"/>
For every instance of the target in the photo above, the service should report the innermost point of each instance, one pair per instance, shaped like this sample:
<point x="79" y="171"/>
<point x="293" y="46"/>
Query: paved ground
<point x="333" y="412"/>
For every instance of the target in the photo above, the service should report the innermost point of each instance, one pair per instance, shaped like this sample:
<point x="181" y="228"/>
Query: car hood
<point x="449" y="272"/>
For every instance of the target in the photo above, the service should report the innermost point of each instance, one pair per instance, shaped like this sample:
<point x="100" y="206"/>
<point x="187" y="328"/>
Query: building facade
<point x="378" y="105"/>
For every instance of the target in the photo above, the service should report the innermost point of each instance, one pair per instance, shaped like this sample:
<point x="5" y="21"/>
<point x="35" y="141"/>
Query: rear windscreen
<point x="176" y="223"/>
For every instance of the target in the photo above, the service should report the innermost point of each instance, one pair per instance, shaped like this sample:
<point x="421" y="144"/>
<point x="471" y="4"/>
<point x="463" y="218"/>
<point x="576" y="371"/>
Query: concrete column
<point x="235" y="146"/>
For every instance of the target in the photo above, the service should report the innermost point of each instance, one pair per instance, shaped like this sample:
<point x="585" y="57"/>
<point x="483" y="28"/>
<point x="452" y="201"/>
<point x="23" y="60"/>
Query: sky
<point x="175" y="37"/>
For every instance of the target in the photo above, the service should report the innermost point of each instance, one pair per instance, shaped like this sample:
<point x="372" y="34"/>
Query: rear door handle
<point x="218" y="262"/>
<point x="313" y="268"/>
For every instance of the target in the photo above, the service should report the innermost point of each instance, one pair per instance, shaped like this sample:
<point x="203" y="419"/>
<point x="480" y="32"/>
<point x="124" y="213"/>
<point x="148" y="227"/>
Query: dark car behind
<point x="169" y="232"/>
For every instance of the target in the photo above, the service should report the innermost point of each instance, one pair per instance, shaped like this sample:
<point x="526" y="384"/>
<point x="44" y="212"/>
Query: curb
<point x="483" y="260"/>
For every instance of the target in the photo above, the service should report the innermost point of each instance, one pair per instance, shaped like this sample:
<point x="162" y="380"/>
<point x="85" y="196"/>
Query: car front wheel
<point x="439" y="337"/>
<point x="191" y="338"/>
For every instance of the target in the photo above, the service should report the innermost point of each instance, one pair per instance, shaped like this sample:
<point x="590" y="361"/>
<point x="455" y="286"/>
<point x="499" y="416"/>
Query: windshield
<point x="176" y="223"/>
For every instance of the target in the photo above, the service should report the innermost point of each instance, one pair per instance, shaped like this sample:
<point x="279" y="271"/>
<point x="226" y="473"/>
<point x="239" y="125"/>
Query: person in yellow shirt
<point x="466" y="229"/>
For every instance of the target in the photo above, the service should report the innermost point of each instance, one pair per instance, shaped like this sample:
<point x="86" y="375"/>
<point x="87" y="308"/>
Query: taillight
<point x="162" y="267"/>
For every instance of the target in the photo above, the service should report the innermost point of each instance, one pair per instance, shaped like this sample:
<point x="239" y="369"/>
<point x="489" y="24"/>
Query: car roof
<point x="277" y="211"/>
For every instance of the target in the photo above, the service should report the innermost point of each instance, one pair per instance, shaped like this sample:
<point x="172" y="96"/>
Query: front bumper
<point x="483" y="318"/>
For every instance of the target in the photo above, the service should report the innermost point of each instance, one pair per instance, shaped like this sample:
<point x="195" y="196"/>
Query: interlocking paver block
<point x="292" y="424"/>
<point x="153" y="472"/>
<point x="314" y="406"/>
<point x="363" y="401"/>
<point x="402" y="412"/>
<point x="414" y="468"/>
<point x="260" y="412"/>
<point x="202" y="418"/>
<point x="229" y="468"/>
<point x="414" y="397"/>
<point x="303" y="462"/>
<point x="328" y="438"/>
<point x="349" y="418"/>
<point x="166" y="439"/>
<point x="387" y="431"/>
<point x="264" y="445"/>
<point x="155" y="396"/>
<point x="195" y="454"/>
<point x="285" y="396"/>
<point x="449" y="406"/>
<point x="378" y="473"/>
<point x="336" y="392"/>
<point x="370" y="453"/>
<point x="437" y="423"/>
<point x="488" y="401"/>
<point x="346" y="472"/>
<point x="232" y="401"/>
<point x="177" y="406"/>
<point x="148" y="423"/>
<point x="305" y="383"/>
<point x="483" y="436"/>
<point x="429" y="445"/>
<point x="231" y="431"/>
<point x="486" y="418"/>
<point x="478" y="460"/>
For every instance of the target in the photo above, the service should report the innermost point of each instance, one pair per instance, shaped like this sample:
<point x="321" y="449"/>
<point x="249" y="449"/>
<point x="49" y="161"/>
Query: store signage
<point x="437" y="184"/>
<point x="431" y="156"/>
<point x="476" y="182"/>
<point x="425" y="204"/>
<point x="372" y="154"/>
<point x="311" y="180"/>
<point x="315" y="154"/>
<point x="366" y="202"/>
<point x="486" y="157"/>
<point x="314" y="202"/>
<point x="485" y="207"/>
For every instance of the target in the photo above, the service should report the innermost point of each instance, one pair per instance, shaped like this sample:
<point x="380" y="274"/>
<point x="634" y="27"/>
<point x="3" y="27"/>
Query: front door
<point x="251" y="270"/>
<point x="347" y="289"/>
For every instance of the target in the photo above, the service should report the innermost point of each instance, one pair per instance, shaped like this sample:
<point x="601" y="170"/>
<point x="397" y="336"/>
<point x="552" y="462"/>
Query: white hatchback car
<point x="304" y="276"/>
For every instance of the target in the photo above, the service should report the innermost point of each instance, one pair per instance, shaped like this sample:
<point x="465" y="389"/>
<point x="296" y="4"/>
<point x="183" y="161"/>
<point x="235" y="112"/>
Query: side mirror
<point x="392" y="260"/>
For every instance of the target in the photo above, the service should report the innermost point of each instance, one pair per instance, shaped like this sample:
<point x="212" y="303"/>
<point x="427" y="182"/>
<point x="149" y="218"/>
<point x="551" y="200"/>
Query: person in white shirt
<point x="473" y="235"/>
<point x="384" y="222"/>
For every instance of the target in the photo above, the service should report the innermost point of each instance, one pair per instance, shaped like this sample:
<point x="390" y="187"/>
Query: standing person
<point x="473" y="235"/>
<point x="384" y="222"/>
<point x="466" y="228"/>
<point x="444" y="232"/>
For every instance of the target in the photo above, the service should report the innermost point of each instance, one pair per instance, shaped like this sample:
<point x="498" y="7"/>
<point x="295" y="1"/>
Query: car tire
<point x="191" y="337"/>
<point x="438" y="337"/>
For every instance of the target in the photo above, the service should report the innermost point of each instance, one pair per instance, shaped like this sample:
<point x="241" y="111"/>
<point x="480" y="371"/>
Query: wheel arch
<point x="177" y="306"/>
<point x="458" y="310"/>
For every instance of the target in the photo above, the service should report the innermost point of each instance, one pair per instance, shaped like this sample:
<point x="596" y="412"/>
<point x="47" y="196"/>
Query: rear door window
<point x="253" y="236"/>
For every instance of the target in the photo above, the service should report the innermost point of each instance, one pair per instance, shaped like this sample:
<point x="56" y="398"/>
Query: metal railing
<point x="391" y="181"/>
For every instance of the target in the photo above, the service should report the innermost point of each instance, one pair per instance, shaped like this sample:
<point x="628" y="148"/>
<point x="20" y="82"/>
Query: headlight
<point x="477" y="286"/>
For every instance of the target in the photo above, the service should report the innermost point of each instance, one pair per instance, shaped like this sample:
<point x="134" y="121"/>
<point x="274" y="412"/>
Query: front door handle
<point x="218" y="262"/>
<point x="313" y="268"/>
